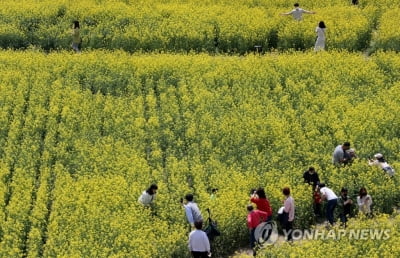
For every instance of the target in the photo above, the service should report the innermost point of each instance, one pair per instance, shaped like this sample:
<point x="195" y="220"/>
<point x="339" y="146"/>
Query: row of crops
<point x="82" y="135"/>
<point x="185" y="26"/>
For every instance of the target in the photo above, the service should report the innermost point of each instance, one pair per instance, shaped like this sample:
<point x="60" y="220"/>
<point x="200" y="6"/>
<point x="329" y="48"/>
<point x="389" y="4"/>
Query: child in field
<point x="76" y="38"/>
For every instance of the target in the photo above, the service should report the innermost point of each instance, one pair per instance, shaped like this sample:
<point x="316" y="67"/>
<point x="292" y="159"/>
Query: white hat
<point x="378" y="156"/>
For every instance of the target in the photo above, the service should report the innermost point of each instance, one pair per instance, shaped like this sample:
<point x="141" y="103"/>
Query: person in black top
<point x="344" y="203"/>
<point x="311" y="177"/>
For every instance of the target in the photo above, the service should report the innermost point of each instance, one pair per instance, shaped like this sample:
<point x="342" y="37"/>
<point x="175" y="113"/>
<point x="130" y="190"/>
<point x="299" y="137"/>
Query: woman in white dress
<point x="320" y="30"/>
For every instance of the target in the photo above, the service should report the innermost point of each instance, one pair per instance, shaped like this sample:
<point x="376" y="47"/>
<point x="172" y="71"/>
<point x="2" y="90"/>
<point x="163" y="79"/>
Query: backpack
<point x="389" y="170"/>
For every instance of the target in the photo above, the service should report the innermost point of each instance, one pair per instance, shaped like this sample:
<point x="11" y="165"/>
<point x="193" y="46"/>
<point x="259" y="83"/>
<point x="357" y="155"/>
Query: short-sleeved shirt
<point x="297" y="13"/>
<point x="330" y="195"/>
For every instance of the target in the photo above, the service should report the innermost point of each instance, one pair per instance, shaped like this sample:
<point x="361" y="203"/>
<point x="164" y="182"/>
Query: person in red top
<point x="260" y="199"/>
<point x="254" y="218"/>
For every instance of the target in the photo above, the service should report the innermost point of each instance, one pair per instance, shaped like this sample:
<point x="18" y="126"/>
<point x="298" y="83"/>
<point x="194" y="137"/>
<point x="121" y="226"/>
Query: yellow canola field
<point x="82" y="135"/>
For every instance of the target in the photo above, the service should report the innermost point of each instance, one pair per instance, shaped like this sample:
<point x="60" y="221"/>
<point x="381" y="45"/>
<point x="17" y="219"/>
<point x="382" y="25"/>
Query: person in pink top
<point x="254" y="218"/>
<point x="288" y="210"/>
<point x="260" y="199"/>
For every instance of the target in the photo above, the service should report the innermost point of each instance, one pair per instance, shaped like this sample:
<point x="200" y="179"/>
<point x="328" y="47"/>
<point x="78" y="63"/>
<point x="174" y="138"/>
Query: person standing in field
<point x="297" y="12"/>
<point x="364" y="201"/>
<point x="380" y="162"/>
<point x="340" y="155"/>
<point x="192" y="211"/>
<point x="311" y="177"/>
<point x="344" y="204"/>
<point x="288" y="214"/>
<point x="260" y="199"/>
<point x="76" y="37"/>
<point x="321" y="36"/>
<point x="199" y="245"/>
<point x="330" y="196"/>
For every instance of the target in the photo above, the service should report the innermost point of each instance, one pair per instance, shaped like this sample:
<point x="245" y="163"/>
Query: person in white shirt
<point x="364" y="201"/>
<point x="321" y="37"/>
<point x="331" y="197"/>
<point x="380" y="162"/>
<point x="199" y="245"/>
<point x="149" y="195"/>
<point x="297" y="12"/>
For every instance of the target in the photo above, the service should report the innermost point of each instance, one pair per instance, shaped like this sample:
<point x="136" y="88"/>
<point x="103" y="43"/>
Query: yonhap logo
<point x="266" y="233"/>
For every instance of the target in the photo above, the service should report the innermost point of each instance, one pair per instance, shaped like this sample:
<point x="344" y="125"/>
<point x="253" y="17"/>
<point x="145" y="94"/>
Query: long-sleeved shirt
<point x="364" y="203"/>
<point x="262" y="204"/>
<point x="193" y="213"/>
<point x="311" y="178"/>
<point x="255" y="217"/>
<point x="289" y="207"/>
<point x="198" y="241"/>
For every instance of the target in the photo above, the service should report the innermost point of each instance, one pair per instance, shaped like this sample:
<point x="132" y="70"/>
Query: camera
<point x="253" y="191"/>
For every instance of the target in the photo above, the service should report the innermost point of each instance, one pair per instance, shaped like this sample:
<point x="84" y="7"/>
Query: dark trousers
<point x="289" y="230"/>
<point x="330" y="208"/>
<point x="252" y="238"/>
<point x="317" y="209"/>
<point x="199" y="254"/>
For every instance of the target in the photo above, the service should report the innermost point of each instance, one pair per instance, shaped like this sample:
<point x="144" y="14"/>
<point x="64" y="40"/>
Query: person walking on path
<point x="199" y="245"/>
<point x="254" y="218"/>
<point x="297" y="12"/>
<point x="260" y="199"/>
<point x="330" y="196"/>
<point x="321" y="37"/>
<point x="76" y="37"/>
